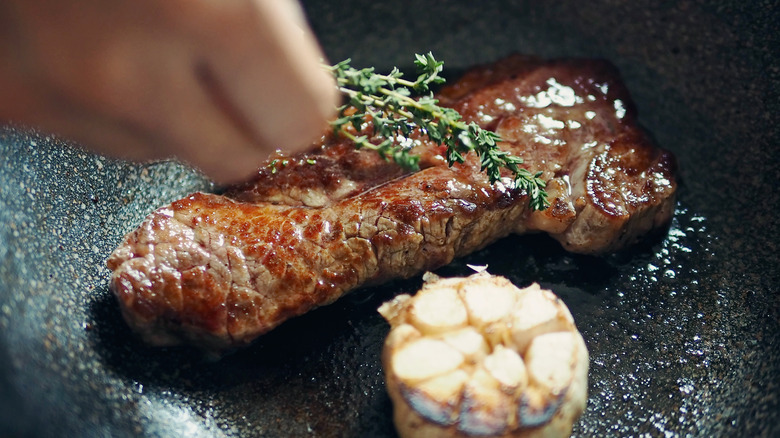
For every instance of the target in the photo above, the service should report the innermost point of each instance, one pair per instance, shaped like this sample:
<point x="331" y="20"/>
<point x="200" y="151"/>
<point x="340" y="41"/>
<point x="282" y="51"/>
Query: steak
<point x="217" y="271"/>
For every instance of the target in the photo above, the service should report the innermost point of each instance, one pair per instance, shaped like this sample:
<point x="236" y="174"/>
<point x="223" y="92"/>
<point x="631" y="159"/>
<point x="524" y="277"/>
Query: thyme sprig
<point x="386" y="101"/>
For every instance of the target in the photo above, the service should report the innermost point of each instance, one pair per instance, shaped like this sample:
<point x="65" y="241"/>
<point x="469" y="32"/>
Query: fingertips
<point x="233" y="168"/>
<point x="273" y="76"/>
<point x="319" y="83"/>
<point x="139" y="92"/>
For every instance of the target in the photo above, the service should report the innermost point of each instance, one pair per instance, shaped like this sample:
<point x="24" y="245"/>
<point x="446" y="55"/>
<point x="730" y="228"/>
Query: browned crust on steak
<point x="219" y="270"/>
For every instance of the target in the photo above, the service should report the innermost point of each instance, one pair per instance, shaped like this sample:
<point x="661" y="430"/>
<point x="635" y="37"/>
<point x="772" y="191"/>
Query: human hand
<point x="218" y="84"/>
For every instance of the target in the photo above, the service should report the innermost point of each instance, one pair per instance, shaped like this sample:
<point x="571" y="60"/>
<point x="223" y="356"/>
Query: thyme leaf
<point x="386" y="100"/>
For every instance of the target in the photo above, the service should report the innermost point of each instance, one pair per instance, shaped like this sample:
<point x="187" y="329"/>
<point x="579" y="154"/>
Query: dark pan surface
<point x="683" y="330"/>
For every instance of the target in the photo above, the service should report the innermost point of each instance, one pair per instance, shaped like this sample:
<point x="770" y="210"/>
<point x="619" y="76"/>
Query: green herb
<point x="277" y="162"/>
<point x="386" y="101"/>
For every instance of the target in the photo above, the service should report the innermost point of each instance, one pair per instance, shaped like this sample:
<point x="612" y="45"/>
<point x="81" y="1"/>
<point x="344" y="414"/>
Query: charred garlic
<point x="477" y="356"/>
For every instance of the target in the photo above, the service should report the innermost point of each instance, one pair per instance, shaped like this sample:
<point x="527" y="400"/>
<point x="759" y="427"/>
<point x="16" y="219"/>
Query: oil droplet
<point x="687" y="388"/>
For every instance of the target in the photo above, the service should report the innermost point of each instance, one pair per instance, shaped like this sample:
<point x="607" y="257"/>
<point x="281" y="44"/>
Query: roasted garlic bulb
<point x="477" y="356"/>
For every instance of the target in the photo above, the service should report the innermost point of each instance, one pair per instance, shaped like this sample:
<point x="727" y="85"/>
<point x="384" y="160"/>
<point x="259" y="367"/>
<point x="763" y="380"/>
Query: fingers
<point x="150" y="105"/>
<point x="273" y="75"/>
<point x="165" y="130"/>
<point x="220" y="85"/>
<point x="163" y="100"/>
<point x="205" y="134"/>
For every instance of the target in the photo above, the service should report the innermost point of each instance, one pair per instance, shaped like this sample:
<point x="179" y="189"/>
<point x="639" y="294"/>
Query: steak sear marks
<point x="217" y="271"/>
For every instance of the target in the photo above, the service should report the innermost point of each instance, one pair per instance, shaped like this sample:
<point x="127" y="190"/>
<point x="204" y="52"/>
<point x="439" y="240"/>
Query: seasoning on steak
<point x="219" y="270"/>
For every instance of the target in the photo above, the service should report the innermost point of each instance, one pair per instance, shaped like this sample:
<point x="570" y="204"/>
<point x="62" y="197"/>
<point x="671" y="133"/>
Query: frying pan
<point x="682" y="329"/>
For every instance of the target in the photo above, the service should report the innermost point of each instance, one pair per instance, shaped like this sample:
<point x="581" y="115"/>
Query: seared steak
<point x="219" y="270"/>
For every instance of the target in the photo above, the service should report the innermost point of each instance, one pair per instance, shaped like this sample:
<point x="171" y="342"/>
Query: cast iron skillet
<point x="682" y="329"/>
